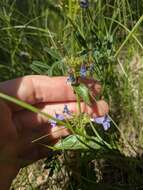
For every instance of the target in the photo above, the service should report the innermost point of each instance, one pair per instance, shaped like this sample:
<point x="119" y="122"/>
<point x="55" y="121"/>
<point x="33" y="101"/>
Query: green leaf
<point x="76" y="142"/>
<point x="39" y="67"/>
<point x="53" y="53"/>
<point x="35" y="69"/>
<point x="83" y="92"/>
<point x="57" y="69"/>
<point x="40" y="64"/>
<point x="80" y="39"/>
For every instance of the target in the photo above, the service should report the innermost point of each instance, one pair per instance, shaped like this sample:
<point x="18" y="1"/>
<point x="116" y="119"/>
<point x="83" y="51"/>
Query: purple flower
<point x="105" y="121"/>
<point x="57" y="116"/>
<point x="53" y="123"/>
<point x="83" y="71"/>
<point x="84" y="4"/>
<point x="66" y="110"/>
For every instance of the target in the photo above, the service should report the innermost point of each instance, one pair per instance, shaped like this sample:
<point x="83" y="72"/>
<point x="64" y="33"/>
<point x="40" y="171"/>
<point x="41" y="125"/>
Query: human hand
<point x="19" y="127"/>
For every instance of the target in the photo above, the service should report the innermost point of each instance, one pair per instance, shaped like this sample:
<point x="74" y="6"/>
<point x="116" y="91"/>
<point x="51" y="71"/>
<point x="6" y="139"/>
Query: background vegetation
<point x="40" y="37"/>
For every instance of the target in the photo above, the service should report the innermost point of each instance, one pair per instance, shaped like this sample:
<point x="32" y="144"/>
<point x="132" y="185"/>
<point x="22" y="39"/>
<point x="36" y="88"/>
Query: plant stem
<point x="29" y="107"/>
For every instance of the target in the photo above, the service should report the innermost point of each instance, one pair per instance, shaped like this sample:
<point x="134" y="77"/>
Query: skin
<point x="19" y="127"/>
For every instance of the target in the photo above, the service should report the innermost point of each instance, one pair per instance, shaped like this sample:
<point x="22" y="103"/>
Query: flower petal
<point x="106" y="126"/>
<point x="99" y="120"/>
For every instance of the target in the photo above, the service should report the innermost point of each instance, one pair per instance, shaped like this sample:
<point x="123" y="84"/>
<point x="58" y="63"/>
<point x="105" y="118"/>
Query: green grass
<point x="43" y="37"/>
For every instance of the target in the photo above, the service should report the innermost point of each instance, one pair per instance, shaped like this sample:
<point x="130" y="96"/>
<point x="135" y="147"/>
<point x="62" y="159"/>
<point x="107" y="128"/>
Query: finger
<point x="26" y="120"/>
<point x="35" y="89"/>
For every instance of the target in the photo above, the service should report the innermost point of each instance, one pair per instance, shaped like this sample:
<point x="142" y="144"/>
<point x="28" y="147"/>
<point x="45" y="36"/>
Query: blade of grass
<point x="123" y="26"/>
<point x="128" y="36"/>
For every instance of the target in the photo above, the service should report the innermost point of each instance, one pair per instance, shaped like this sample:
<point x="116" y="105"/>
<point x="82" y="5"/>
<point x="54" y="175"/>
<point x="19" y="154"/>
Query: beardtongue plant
<point x="77" y="70"/>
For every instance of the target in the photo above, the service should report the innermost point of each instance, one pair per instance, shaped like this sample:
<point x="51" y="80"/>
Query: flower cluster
<point x="104" y="120"/>
<point x="83" y="70"/>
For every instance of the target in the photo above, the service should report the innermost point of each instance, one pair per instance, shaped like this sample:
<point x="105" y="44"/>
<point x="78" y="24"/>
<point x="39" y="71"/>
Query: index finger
<point x="35" y="89"/>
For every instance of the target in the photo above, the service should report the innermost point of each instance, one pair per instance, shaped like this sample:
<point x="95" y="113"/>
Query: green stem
<point x="98" y="136"/>
<point x="29" y="107"/>
<point x="78" y="103"/>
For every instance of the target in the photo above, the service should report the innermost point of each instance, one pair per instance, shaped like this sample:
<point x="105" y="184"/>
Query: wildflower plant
<point x="89" y="39"/>
<point x="79" y="68"/>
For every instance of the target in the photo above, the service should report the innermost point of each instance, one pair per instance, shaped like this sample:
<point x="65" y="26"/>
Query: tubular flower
<point x="105" y="121"/>
<point x="57" y="116"/>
